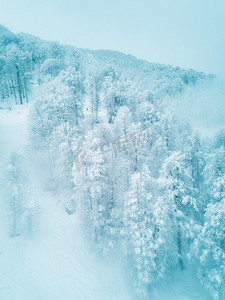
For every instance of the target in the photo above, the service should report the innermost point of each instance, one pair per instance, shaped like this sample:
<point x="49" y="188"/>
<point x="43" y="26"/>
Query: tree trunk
<point x="180" y="249"/>
<point x="19" y="85"/>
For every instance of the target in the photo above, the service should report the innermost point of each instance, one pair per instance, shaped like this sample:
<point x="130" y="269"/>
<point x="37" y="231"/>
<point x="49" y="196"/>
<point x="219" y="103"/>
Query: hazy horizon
<point x="187" y="34"/>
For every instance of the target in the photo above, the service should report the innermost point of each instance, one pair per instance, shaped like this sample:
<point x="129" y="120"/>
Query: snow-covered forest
<point x="110" y="187"/>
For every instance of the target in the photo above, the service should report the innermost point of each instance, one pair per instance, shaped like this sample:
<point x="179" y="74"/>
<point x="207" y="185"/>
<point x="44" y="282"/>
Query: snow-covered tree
<point x="209" y="248"/>
<point x="179" y="199"/>
<point x="141" y="242"/>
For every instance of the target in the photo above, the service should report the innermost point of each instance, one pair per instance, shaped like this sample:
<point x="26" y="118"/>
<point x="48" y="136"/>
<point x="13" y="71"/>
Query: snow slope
<point x="53" y="261"/>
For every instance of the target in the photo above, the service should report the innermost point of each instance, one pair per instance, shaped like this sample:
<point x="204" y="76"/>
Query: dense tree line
<point x="26" y="61"/>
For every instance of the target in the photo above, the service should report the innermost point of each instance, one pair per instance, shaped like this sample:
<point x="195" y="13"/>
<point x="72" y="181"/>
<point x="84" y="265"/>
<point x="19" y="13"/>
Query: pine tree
<point x="209" y="248"/>
<point x="139" y="231"/>
<point x="179" y="198"/>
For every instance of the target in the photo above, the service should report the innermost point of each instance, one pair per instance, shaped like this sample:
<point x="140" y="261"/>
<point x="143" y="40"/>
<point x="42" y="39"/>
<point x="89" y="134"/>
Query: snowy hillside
<point x="112" y="176"/>
<point x="49" y="259"/>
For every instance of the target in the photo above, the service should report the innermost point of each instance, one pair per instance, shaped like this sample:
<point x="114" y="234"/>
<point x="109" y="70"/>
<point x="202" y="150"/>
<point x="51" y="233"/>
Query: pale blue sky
<point x="188" y="33"/>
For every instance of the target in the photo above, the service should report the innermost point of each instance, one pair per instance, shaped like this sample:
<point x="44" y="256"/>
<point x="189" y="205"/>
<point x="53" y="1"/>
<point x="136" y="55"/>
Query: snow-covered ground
<point x="54" y="261"/>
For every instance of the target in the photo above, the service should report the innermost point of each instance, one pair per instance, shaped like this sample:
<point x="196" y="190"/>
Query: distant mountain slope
<point x="160" y="79"/>
<point x="25" y="59"/>
<point x="4" y="30"/>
